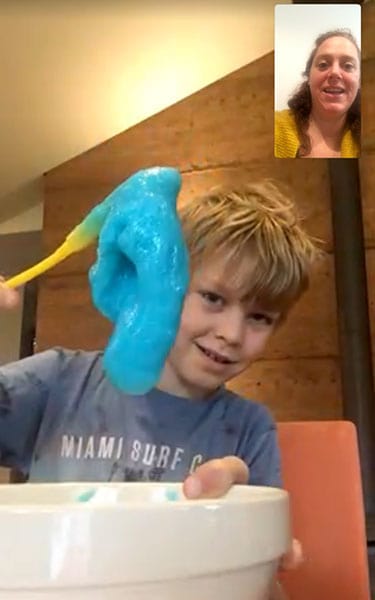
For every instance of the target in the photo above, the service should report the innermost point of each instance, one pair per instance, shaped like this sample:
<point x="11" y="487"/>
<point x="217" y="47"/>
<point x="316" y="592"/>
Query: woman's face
<point x="334" y="76"/>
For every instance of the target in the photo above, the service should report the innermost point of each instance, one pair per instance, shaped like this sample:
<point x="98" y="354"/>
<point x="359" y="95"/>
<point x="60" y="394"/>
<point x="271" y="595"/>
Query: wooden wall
<point x="367" y="162"/>
<point x="224" y="133"/>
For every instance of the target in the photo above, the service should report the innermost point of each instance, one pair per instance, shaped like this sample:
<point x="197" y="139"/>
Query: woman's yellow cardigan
<point x="286" y="141"/>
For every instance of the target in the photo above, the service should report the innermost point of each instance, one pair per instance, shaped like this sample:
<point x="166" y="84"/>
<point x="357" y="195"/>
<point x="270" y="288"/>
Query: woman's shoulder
<point x="286" y="142"/>
<point x="284" y="118"/>
<point x="349" y="147"/>
<point x="247" y="410"/>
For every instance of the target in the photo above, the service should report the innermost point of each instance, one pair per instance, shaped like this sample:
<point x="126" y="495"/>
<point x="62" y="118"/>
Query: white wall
<point x="296" y="28"/>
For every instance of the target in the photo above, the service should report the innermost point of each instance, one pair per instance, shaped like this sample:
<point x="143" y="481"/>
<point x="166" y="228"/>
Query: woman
<point x="324" y="120"/>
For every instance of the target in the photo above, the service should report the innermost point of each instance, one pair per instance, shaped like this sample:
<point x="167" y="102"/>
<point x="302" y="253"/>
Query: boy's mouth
<point x="215" y="356"/>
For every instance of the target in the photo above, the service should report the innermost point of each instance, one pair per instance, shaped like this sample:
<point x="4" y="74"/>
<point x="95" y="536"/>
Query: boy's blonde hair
<point x="256" y="220"/>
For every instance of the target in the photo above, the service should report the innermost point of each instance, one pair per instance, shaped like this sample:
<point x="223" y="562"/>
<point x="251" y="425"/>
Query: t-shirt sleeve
<point x="264" y="463"/>
<point x="24" y="390"/>
<point x="260" y="449"/>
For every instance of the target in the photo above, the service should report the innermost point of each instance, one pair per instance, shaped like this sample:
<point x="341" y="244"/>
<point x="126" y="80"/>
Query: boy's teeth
<point x="215" y="357"/>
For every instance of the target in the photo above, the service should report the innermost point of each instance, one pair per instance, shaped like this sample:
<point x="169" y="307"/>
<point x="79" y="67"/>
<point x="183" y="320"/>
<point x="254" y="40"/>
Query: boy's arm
<point x="24" y="391"/>
<point x="262" y="455"/>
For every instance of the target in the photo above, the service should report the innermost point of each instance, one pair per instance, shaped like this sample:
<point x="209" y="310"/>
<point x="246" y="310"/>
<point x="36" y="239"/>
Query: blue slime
<point x="141" y="276"/>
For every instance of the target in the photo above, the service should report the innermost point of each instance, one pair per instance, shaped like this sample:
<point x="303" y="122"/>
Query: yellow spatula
<point x="79" y="238"/>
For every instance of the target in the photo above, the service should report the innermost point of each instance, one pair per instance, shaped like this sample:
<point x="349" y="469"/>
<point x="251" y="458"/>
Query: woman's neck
<point x="330" y="129"/>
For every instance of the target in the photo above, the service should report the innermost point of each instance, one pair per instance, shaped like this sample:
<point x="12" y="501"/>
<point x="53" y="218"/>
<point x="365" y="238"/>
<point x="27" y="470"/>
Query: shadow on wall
<point x="27" y="201"/>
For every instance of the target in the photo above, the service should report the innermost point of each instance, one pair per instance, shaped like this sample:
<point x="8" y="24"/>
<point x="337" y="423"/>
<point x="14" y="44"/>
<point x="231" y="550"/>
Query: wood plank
<point x="294" y="389"/>
<point x="311" y="327"/>
<point x="308" y="186"/>
<point x="65" y="207"/>
<point x="368" y="28"/>
<point x="368" y="79"/>
<point x="367" y="176"/>
<point x="66" y="317"/>
<point x="4" y="475"/>
<point x="368" y="106"/>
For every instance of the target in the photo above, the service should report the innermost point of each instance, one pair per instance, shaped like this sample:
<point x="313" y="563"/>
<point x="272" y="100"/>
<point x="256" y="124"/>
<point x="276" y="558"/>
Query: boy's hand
<point x="9" y="298"/>
<point x="215" y="477"/>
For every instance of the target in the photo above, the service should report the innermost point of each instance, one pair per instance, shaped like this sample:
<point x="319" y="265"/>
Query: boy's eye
<point x="261" y="318"/>
<point x="212" y="298"/>
<point x="348" y="66"/>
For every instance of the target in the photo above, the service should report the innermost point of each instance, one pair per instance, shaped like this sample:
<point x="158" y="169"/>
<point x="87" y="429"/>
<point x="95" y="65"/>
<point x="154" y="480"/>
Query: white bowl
<point x="139" y="541"/>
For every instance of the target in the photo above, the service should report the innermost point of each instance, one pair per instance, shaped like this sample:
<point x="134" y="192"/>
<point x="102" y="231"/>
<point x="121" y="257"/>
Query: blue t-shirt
<point x="62" y="420"/>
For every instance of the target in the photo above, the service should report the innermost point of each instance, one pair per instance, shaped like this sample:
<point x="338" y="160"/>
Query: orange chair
<point x="321" y="471"/>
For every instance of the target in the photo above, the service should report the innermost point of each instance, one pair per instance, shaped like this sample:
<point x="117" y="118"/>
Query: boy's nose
<point x="231" y="327"/>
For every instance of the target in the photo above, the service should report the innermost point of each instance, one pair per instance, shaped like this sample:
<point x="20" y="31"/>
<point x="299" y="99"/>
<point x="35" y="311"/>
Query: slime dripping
<point x="141" y="276"/>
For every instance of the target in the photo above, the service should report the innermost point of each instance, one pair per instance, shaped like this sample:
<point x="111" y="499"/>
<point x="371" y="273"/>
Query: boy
<point x="60" y="418"/>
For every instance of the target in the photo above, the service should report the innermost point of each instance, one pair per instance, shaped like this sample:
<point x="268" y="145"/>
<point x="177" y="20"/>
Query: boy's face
<point x="221" y="333"/>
